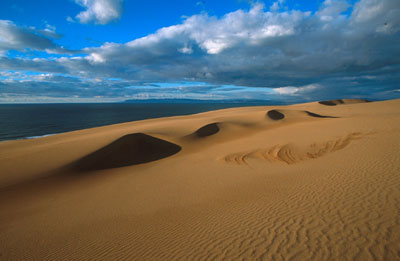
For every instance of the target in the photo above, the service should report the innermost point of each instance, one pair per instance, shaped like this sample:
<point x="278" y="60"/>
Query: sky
<point x="115" y="50"/>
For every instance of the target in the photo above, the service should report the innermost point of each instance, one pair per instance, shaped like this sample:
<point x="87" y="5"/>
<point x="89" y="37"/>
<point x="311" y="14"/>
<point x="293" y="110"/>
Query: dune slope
<point x="302" y="182"/>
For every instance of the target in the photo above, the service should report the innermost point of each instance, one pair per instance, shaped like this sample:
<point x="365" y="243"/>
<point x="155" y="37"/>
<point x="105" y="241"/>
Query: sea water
<point x="20" y="121"/>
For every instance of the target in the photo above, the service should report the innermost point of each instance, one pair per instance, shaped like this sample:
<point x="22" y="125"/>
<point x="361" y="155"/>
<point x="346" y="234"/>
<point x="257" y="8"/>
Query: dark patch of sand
<point x="131" y="149"/>
<point x="275" y="115"/>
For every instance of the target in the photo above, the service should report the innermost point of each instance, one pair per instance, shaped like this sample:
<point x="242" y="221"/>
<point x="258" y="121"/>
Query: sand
<point x="314" y="181"/>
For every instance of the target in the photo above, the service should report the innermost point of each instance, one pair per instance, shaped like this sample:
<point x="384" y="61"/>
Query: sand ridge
<point x="319" y="183"/>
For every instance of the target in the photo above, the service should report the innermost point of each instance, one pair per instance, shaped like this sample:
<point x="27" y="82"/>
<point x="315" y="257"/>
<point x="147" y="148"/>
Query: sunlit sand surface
<point x="314" y="181"/>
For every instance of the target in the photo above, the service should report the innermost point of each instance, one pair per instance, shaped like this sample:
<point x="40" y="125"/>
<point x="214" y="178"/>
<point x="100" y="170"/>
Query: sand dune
<point x="299" y="182"/>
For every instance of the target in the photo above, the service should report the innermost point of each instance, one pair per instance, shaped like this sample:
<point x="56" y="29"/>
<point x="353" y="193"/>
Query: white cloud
<point x="297" y="90"/>
<point x="368" y="9"/>
<point x="99" y="11"/>
<point x="331" y="9"/>
<point x="70" y="19"/>
<point x="216" y="35"/>
<point x="186" y="49"/>
<point x="254" y="48"/>
<point x="379" y="15"/>
<point x="326" y="54"/>
<point x="50" y="32"/>
<point x="276" y="5"/>
<point x="95" y="58"/>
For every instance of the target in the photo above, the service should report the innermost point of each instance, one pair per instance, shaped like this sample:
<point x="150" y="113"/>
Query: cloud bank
<point x="338" y="51"/>
<point x="13" y="37"/>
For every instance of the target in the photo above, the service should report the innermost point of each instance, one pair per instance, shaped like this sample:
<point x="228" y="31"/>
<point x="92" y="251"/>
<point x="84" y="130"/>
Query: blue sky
<point x="112" y="50"/>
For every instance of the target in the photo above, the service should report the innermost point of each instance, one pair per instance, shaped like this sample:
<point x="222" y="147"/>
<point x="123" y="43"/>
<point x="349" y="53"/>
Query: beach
<point x="312" y="181"/>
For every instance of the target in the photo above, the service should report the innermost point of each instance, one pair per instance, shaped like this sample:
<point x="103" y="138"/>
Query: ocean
<point x="22" y="121"/>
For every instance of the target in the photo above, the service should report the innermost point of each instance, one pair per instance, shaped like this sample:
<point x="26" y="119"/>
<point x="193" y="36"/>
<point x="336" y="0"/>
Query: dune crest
<point x="129" y="150"/>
